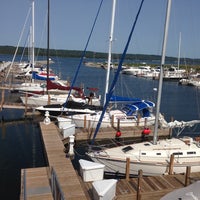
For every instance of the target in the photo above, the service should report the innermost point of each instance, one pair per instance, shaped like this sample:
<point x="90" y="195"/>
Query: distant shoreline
<point x="10" y="50"/>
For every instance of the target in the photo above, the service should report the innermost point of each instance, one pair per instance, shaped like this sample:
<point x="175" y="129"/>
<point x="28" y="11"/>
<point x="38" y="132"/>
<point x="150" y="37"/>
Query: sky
<point x="71" y="22"/>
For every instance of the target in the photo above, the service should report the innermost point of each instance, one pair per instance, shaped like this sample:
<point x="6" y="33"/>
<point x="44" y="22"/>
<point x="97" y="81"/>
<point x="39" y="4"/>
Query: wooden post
<point x="49" y="99"/>
<point x="26" y="100"/>
<point x="187" y="175"/>
<point x="2" y="98"/>
<point x="112" y="121"/>
<point x="118" y="124"/>
<point x="127" y="168"/>
<point x="140" y="174"/>
<point x="171" y="164"/>
<point x="145" y="122"/>
<point x="138" y="120"/>
<point x="170" y="129"/>
<point x="84" y="121"/>
<point x="89" y="126"/>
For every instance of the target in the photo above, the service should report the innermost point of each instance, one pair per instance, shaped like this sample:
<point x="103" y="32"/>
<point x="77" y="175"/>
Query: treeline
<point x="89" y="54"/>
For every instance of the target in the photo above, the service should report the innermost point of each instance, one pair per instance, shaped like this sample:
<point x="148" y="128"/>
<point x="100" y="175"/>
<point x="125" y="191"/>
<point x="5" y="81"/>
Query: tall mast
<point x="179" y="50"/>
<point x="161" y="71"/>
<point x="33" y="36"/>
<point x="48" y="25"/>
<point x="110" y="48"/>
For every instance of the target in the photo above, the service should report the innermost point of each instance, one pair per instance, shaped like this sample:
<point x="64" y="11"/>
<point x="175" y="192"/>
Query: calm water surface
<point x="20" y="142"/>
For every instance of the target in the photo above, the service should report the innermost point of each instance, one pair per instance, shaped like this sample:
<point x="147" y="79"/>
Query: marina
<point x="100" y="126"/>
<point x="173" y="109"/>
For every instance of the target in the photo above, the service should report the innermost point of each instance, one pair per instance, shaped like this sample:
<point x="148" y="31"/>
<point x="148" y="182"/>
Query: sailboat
<point x="153" y="157"/>
<point x="32" y="71"/>
<point x="57" y="104"/>
<point x="175" y="73"/>
<point x="136" y="112"/>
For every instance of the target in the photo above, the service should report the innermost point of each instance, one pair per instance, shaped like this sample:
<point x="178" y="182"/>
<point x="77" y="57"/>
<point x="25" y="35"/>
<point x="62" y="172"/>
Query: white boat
<point x="191" y="192"/>
<point x="136" y="71"/>
<point x="152" y="74"/>
<point x="29" y="87"/>
<point x="194" y="82"/>
<point x="70" y="108"/>
<point x="42" y="100"/>
<point x="38" y="73"/>
<point x="174" y="74"/>
<point x="40" y="86"/>
<point x="153" y="157"/>
<point x="134" y="114"/>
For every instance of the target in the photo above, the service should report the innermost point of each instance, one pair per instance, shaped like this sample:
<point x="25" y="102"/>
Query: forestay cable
<point x="83" y="55"/>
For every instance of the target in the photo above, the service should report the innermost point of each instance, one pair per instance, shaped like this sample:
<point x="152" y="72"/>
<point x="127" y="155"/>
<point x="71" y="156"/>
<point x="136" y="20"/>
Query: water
<point x="20" y="142"/>
<point x="20" y="147"/>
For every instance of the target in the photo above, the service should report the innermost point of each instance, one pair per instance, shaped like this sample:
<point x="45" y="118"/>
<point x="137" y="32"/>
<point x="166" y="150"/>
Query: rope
<point x="83" y="55"/>
<point x="18" y="44"/>
<point x="24" y="47"/>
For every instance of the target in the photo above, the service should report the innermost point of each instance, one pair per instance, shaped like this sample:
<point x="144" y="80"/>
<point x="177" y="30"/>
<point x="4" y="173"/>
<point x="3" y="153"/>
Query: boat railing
<point x="55" y="186"/>
<point x="23" y="189"/>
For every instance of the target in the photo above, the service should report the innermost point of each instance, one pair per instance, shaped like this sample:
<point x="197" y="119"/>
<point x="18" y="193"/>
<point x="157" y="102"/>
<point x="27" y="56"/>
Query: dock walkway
<point x="65" y="181"/>
<point x="68" y="183"/>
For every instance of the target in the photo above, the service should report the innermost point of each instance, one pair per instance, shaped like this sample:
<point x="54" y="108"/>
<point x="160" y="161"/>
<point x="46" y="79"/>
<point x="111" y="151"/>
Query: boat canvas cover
<point x="143" y="106"/>
<point x="41" y="77"/>
<point x="51" y="85"/>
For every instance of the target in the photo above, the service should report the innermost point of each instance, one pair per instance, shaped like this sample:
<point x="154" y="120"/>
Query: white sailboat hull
<point x="42" y="100"/>
<point x="91" y="120"/>
<point x="151" y="159"/>
<point x="148" y="169"/>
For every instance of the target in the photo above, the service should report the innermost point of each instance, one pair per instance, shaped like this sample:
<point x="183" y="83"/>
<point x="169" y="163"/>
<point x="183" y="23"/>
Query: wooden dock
<point x="106" y="133"/>
<point x="60" y="168"/>
<point x="59" y="178"/>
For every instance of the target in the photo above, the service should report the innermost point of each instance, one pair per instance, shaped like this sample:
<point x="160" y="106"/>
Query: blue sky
<point x="71" y="22"/>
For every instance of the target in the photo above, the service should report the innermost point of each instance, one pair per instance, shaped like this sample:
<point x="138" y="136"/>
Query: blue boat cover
<point x="143" y="106"/>
<point x="38" y="77"/>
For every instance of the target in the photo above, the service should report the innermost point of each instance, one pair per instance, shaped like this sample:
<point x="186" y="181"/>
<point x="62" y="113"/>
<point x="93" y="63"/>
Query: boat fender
<point x="118" y="134"/>
<point x="198" y="144"/>
<point x="146" y="131"/>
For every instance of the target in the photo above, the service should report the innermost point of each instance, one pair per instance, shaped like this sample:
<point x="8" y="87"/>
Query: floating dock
<point x="60" y="179"/>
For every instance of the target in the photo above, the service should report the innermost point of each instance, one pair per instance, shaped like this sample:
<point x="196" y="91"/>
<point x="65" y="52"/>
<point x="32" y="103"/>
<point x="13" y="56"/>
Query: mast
<point x="110" y="48"/>
<point x="33" y="36"/>
<point x="48" y="25"/>
<point x="161" y="71"/>
<point x="179" y="50"/>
